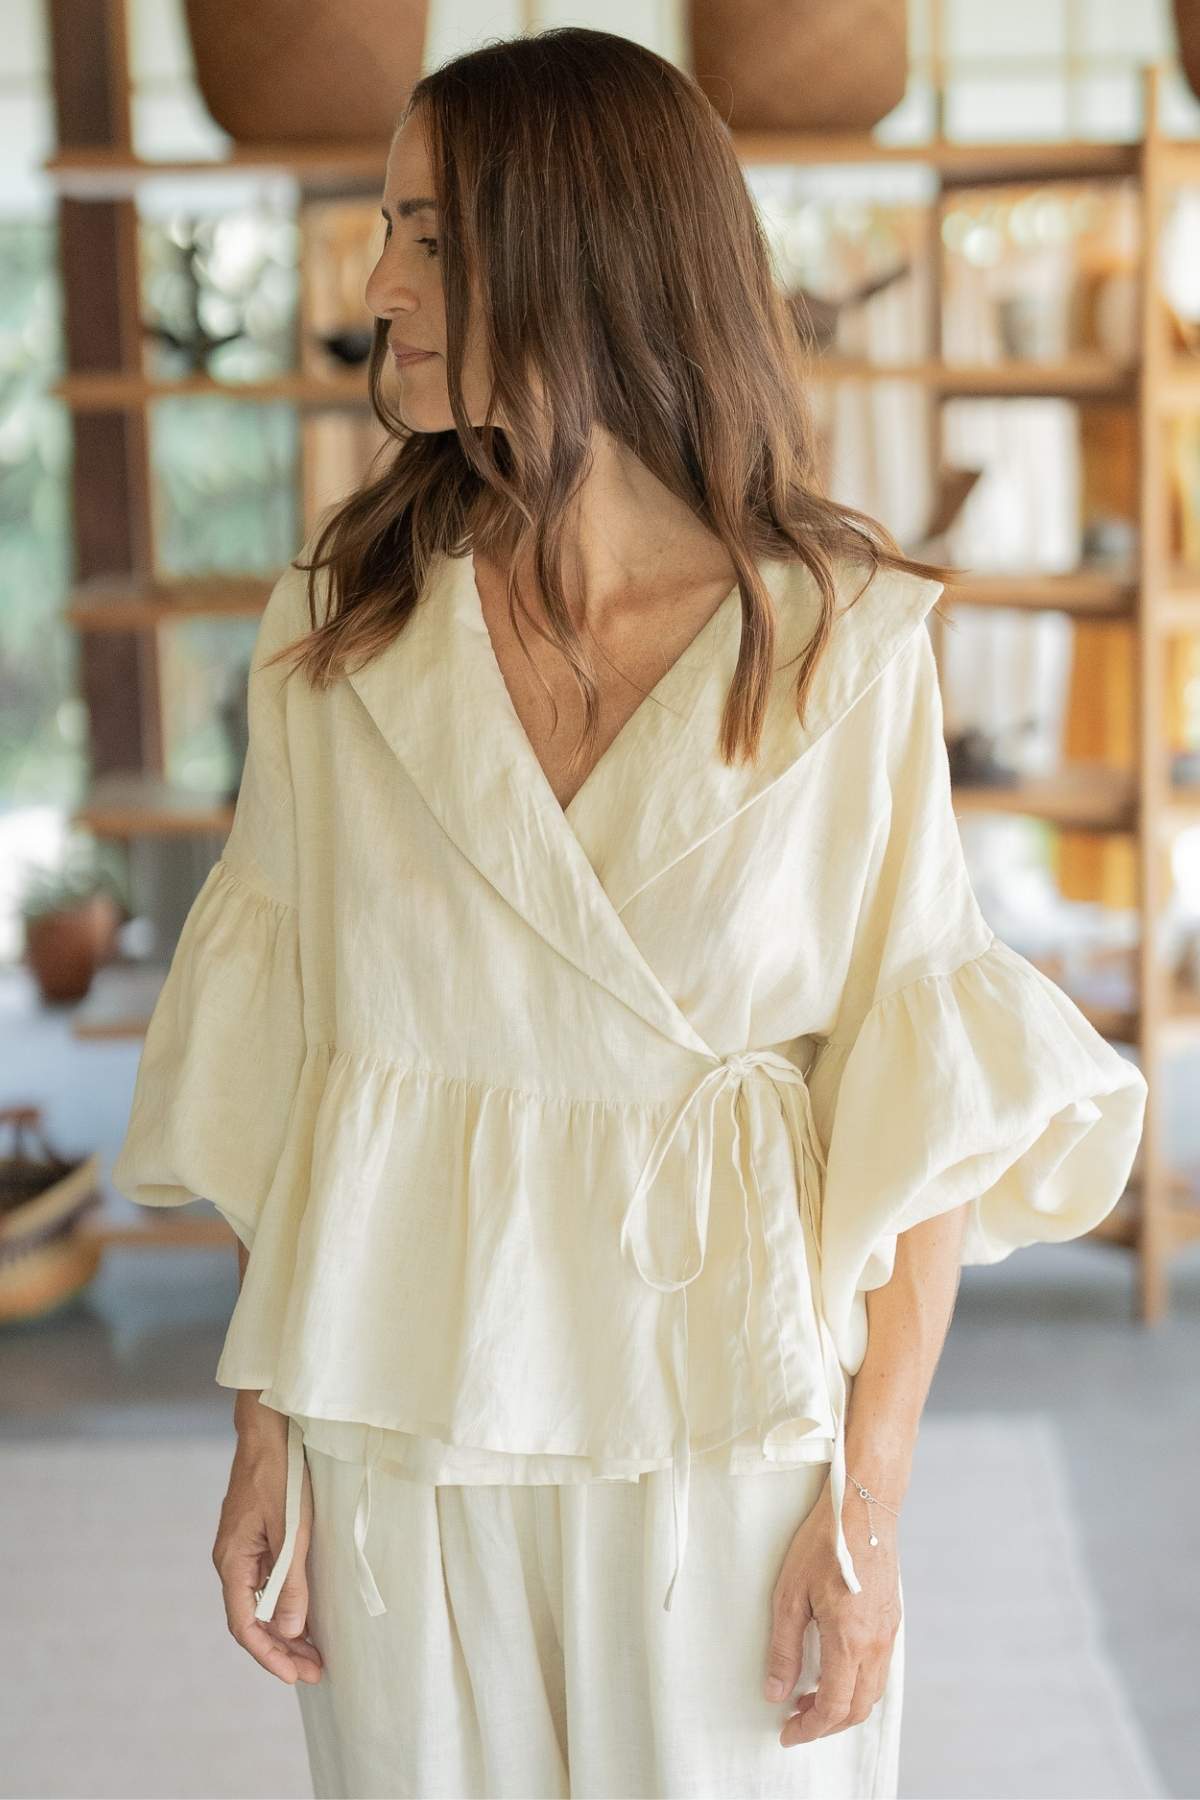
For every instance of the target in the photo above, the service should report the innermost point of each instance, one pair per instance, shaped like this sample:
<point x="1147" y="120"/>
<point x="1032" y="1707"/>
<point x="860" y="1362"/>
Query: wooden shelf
<point x="119" y="1002"/>
<point x="118" y="1224"/>
<point x="1082" y="376"/>
<point x="1079" y="376"/>
<point x="117" y="392"/>
<point x="1076" y="377"/>
<point x="130" y="804"/>
<point x="102" y="174"/>
<point x="1181" y="1215"/>
<point x="1088" y="797"/>
<point x="1085" y="593"/>
<point x="108" y="174"/>
<point x="116" y="603"/>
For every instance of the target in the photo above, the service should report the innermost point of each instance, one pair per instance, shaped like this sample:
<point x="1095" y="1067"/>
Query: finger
<point x="253" y="1634"/>
<point x="818" y="1714"/>
<point x="309" y="1661"/>
<point x="291" y="1607"/>
<point x="305" y="1655"/>
<point x="790" y="1619"/>
<point x="872" y="1678"/>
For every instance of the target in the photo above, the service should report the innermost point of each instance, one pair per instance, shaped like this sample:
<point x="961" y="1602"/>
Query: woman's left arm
<point x="909" y="1317"/>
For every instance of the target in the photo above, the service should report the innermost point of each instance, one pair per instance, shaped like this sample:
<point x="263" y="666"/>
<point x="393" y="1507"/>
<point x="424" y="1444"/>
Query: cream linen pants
<point x="524" y="1650"/>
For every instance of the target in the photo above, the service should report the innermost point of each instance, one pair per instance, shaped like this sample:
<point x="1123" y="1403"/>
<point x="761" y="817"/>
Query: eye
<point x="431" y="241"/>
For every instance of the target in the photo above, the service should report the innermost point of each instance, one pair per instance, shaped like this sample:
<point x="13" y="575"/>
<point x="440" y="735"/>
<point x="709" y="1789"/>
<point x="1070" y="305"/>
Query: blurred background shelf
<point x="118" y="387"/>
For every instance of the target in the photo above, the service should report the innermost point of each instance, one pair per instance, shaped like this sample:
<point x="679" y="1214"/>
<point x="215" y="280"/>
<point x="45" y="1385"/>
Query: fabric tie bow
<point x="729" y="1077"/>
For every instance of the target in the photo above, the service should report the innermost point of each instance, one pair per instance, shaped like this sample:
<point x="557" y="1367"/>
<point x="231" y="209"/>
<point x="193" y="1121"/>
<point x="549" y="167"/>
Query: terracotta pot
<point x="283" y="72"/>
<point x="1187" y="30"/>
<point x="64" y="949"/>
<point x="801" y="65"/>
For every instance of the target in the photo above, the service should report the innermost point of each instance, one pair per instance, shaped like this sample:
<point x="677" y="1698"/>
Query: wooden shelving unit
<point x="118" y="605"/>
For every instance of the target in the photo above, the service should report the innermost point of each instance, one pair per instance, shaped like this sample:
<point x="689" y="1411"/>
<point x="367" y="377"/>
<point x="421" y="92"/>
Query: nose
<point x="385" y="294"/>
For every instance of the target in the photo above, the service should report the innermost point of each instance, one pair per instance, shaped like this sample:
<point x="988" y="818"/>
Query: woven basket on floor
<point x="44" y="1258"/>
<point x="800" y="65"/>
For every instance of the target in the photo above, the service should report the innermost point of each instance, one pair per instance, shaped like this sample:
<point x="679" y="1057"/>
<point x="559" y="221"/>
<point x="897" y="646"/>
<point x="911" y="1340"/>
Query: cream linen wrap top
<point x="567" y="1144"/>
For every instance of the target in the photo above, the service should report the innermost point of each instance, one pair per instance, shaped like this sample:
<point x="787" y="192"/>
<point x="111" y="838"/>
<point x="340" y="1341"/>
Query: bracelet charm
<point x="870" y="1499"/>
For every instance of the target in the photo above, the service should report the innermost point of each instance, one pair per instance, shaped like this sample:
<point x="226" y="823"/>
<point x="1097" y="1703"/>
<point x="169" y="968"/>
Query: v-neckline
<point x="695" y="650"/>
<point x="441" y="706"/>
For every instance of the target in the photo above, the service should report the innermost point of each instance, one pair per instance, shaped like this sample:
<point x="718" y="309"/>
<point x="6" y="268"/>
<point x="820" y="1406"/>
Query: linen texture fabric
<point x="568" y="1143"/>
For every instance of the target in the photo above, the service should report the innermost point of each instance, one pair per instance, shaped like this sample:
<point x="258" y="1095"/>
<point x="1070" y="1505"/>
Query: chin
<point x="425" y="418"/>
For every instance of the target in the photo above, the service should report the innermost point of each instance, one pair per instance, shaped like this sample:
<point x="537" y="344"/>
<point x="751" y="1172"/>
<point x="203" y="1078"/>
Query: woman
<point x="590" y="1010"/>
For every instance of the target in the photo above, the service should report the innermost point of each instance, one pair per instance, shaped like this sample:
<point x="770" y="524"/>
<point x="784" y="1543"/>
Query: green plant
<point x="86" y="868"/>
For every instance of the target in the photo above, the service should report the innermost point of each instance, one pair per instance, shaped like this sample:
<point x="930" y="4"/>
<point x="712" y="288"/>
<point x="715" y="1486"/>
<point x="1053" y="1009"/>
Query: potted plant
<point x="71" y="915"/>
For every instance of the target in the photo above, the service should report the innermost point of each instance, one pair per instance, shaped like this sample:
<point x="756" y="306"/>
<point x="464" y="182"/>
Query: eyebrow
<point x="404" y="209"/>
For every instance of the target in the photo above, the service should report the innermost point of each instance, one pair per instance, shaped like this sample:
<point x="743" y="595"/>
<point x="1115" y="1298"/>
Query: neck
<point x="626" y="539"/>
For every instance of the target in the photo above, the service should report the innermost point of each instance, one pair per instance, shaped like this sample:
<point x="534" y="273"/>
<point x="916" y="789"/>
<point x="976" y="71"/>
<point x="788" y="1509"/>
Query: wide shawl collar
<point x="438" y="697"/>
<point x="437" y="694"/>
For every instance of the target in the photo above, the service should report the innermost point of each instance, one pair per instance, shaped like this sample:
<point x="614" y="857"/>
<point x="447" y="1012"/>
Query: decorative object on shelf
<point x="330" y="71"/>
<point x="72" y="914"/>
<point x="975" y="760"/>
<point x="351" y="346"/>
<point x="45" y="1260"/>
<point x="953" y="486"/>
<point x="1108" y="544"/>
<point x="186" y="335"/>
<point x="1181" y="722"/>
<point x="1186" y="967"/>
<point x="342" y="242"/>
<point x="1184" y="333"/>
<point x="1183" y="473"/>
<point x="1039" y="272"/>
<point x="1032" y="326"/>
<point x="817" y="316"/>
<point x="1108" y="484"/>
<point x="220" y="292"/>
<point x="800" y="65"/>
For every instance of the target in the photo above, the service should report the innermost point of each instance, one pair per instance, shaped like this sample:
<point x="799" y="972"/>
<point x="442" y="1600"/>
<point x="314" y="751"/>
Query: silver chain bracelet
<point x="871" y="1499"/>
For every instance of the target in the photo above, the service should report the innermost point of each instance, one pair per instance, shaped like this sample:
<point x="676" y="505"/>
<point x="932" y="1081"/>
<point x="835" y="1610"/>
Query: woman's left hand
<point x="857" y="1631"/>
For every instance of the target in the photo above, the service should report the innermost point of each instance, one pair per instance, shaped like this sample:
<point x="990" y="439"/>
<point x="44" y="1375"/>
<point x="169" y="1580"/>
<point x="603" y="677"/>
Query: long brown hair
<point x="591" y="193"/>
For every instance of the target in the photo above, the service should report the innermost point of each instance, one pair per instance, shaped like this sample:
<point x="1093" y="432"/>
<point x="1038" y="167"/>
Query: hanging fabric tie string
<point x="371" y="1597"/>
<point x="268" y="1596"/>
<point x="728" y="1077"/>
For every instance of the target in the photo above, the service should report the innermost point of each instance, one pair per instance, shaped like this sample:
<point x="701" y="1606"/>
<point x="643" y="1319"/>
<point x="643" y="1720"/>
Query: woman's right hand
<point x="249" y="1539"/>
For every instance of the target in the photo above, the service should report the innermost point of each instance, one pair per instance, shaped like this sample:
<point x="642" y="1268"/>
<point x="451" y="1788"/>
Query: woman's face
<point x="405" y="289"/>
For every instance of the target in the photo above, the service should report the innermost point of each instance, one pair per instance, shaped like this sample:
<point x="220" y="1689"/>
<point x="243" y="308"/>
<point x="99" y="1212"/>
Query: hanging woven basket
<point x="1187" y="30"/>
<point x="800" y="65"/>
<point x="278" y="73"/>
<point x="44" y="1258"/>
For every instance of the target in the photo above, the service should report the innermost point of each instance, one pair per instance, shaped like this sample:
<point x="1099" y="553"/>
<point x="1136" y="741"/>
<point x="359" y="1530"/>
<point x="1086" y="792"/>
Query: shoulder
<point x="286" y="615"/>
<point x="881" y="604"/>
<point x="878" y="653"/>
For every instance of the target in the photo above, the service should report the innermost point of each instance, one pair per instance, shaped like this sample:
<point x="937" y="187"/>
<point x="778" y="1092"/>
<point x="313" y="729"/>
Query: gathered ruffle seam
<point x="484" y="1083"/>
<point x="907" y="988"/>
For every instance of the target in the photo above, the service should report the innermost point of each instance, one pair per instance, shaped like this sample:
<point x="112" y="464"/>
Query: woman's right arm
<point x="250" y="1535"/>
